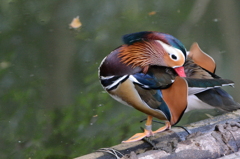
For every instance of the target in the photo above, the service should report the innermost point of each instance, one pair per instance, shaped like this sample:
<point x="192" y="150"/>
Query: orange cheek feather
<point x="177" y="65"/>
<point x="171" y="63"/>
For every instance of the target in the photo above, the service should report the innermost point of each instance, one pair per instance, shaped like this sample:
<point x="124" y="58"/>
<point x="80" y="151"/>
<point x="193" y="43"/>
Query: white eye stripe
<point x="169" y="48"/>
<point x="173" y="52"/>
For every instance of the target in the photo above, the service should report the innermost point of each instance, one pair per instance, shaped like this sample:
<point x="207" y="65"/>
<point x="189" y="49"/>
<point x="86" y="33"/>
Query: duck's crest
<point x="129" y="39"/>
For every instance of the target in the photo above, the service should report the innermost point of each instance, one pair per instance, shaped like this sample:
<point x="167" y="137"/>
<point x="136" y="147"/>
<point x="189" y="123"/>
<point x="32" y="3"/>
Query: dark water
<point x="51" y="102"/>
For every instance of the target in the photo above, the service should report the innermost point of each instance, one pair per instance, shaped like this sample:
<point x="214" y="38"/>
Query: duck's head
<point x="144" y="49"/>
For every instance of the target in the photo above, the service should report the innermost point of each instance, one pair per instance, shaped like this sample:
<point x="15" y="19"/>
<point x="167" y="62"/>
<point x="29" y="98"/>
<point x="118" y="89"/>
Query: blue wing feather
<point x="150" y="85"/>
<point x="156" y="78"/>
<point x="146" y="80"/>
<point x="163" y="106"/>
<point x="152" y="82"/>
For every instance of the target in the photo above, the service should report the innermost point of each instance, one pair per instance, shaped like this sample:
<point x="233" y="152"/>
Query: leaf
<point x="75" y="24"/>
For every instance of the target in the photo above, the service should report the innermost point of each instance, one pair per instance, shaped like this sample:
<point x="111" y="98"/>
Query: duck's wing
<point x="202" y="59"/>
<point x="218" y="98"/>
<point x="163" y="91"/>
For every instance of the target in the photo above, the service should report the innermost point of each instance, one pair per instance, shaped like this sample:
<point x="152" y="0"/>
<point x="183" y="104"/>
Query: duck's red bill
<point x="180" y="71"/>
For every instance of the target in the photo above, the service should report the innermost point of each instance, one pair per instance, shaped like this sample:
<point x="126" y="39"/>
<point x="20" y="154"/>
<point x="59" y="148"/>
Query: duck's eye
<point x="174" y="57"/>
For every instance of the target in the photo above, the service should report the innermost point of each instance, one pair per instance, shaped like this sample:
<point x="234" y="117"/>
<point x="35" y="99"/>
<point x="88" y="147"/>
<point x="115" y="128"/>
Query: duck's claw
<point x="139" y="136"/>
<point x="147" y="133"/>
<point x="165" y="127"/>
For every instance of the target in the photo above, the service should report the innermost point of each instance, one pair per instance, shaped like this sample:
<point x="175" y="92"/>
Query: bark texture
<point x="211" y="138"/>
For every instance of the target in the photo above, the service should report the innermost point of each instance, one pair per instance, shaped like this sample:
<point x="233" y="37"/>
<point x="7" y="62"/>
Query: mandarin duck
<point x="153" y="73"/>
<point x="199" y="65"/>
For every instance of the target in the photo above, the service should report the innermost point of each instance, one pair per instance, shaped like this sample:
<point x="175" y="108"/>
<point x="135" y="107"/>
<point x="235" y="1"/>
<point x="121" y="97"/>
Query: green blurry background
<point x="51" y="102"/>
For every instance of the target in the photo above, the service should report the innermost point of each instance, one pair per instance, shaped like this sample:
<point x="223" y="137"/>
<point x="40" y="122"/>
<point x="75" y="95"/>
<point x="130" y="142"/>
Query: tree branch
<point x="210" y="138"/>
